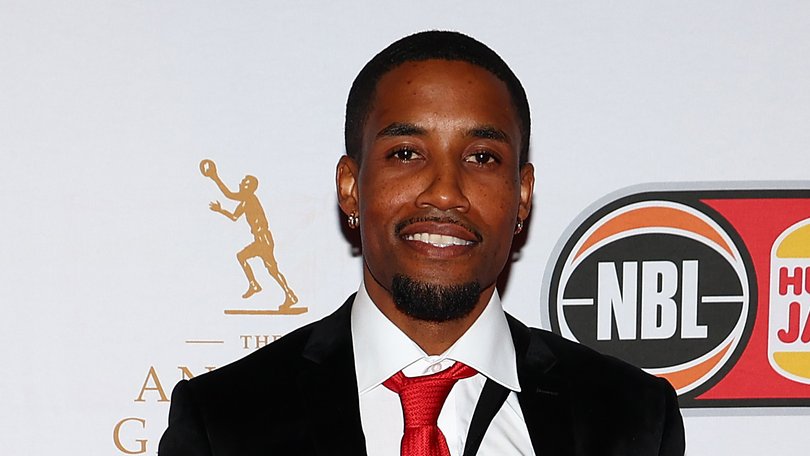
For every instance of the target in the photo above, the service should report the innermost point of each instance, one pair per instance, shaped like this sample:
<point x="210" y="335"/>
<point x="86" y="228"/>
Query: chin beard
<point x="435" y="303"/>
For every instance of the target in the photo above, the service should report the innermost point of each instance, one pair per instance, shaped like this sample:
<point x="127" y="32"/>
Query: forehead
<point x="442" y="91"/>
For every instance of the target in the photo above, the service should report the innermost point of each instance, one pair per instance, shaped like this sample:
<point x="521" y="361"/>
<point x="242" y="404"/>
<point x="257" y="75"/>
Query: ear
<point x="346" y="179"/>
<point x="526" y="190"/>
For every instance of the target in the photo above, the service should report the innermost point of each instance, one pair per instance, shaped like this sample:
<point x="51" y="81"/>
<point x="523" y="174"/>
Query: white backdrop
<point x="114" y="273"/>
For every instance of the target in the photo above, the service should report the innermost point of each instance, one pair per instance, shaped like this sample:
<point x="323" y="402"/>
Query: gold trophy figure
<point x="262" y="245"/>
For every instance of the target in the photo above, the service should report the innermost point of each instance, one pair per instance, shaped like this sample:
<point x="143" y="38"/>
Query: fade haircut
<point x="430" y="45"/>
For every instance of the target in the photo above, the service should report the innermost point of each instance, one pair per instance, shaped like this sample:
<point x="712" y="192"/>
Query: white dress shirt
<point x="381" y="350"/>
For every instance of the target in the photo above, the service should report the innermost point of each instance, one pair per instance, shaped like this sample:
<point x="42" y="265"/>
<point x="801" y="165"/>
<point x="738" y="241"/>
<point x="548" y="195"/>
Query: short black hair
<point x="429" y="45"/>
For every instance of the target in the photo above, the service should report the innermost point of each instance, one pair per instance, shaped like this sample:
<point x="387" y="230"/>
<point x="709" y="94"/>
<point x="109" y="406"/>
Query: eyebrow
<point x="408" y="129"/>
<point x="489" y="132"/>
<point x="401" y="129"/>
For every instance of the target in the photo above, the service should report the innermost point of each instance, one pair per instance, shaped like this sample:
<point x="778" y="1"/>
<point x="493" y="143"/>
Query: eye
<point x="404" y="154"/>
<point x="482" y="158"/>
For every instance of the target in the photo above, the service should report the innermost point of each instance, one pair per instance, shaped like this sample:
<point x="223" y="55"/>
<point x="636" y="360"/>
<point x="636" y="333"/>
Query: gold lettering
<point x="156" y="386"/>
<point x="185" y="372"/>
<point x="261" y="341"/>
<point x="117" y="437"/>
<point x="257" y="341"/>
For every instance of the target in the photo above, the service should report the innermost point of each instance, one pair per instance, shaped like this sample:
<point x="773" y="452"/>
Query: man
<point x="438" y="183"/>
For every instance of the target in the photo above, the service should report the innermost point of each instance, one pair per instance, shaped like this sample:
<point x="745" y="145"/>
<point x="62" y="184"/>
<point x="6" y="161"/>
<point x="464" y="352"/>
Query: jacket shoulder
<point x="547" y="355"/>
<point x="584" y="364"/>
<point x="237" y="407"/>
<point x="613" y="407"/>
<point x="273" y="363"/>
<point x="280" y="362"/>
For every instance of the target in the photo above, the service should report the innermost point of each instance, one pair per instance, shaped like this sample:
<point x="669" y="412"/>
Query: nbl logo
<point x="659" y="284"/>
<point x="709" y="289"/>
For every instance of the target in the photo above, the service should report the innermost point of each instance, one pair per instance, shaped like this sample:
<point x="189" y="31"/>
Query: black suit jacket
<point x="298" y="396"/>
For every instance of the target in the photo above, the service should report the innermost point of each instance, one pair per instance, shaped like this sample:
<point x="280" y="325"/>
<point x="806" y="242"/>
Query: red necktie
<point x="422" y="399"/>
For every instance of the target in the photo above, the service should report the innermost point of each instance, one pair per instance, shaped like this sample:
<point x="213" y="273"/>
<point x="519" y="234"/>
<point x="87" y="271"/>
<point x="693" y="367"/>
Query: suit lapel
<point x="544" y="397"/>
<point x="329" y="385"/>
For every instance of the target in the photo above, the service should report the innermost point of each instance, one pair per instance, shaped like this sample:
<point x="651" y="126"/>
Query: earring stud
<point x="354" y="220"/>
<point x="519" y="226"/>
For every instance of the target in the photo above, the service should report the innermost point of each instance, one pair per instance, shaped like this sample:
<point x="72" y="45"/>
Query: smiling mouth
<point x="451" y="228"/>
<point x="437" y="240"/>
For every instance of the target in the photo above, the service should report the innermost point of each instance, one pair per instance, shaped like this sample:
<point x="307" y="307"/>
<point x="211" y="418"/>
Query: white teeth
<point x="437" y="240"/>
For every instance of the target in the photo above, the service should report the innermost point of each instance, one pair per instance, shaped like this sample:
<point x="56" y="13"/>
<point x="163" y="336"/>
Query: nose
<point x="444" y="188"/>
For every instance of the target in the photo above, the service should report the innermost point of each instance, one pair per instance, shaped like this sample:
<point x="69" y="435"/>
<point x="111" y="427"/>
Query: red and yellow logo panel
<point x="789" y="314"/>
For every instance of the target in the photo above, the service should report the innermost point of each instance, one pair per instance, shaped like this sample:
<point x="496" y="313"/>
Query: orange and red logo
<point x="709" y="289"/>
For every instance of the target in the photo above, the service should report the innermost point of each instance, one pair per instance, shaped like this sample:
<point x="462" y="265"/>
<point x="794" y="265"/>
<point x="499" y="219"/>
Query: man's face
<point x="439" y="188"/>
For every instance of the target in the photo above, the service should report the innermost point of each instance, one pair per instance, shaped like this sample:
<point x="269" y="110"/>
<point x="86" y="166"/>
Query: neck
<point x="434" y="338"/>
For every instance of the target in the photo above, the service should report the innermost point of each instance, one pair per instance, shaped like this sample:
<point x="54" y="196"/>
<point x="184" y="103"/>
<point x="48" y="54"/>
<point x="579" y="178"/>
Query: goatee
<point x="431" y="302"/>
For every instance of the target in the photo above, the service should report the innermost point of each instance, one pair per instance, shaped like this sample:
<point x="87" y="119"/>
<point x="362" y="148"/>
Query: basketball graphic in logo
<point x="659" y="284"/>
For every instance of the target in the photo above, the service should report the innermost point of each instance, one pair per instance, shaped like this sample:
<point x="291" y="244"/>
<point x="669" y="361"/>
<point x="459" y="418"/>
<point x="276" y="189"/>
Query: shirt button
<point x="435" y="367"/>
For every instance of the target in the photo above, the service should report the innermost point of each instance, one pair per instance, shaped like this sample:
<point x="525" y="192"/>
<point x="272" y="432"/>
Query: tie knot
<point x="423" y="397"/>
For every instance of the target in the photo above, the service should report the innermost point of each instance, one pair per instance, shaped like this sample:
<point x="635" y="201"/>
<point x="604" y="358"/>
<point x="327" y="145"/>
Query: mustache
<point x="445" y="219"/>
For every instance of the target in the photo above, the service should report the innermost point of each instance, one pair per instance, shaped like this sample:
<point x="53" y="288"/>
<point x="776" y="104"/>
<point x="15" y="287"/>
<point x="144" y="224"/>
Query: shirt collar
<point x="381" y="349"/>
